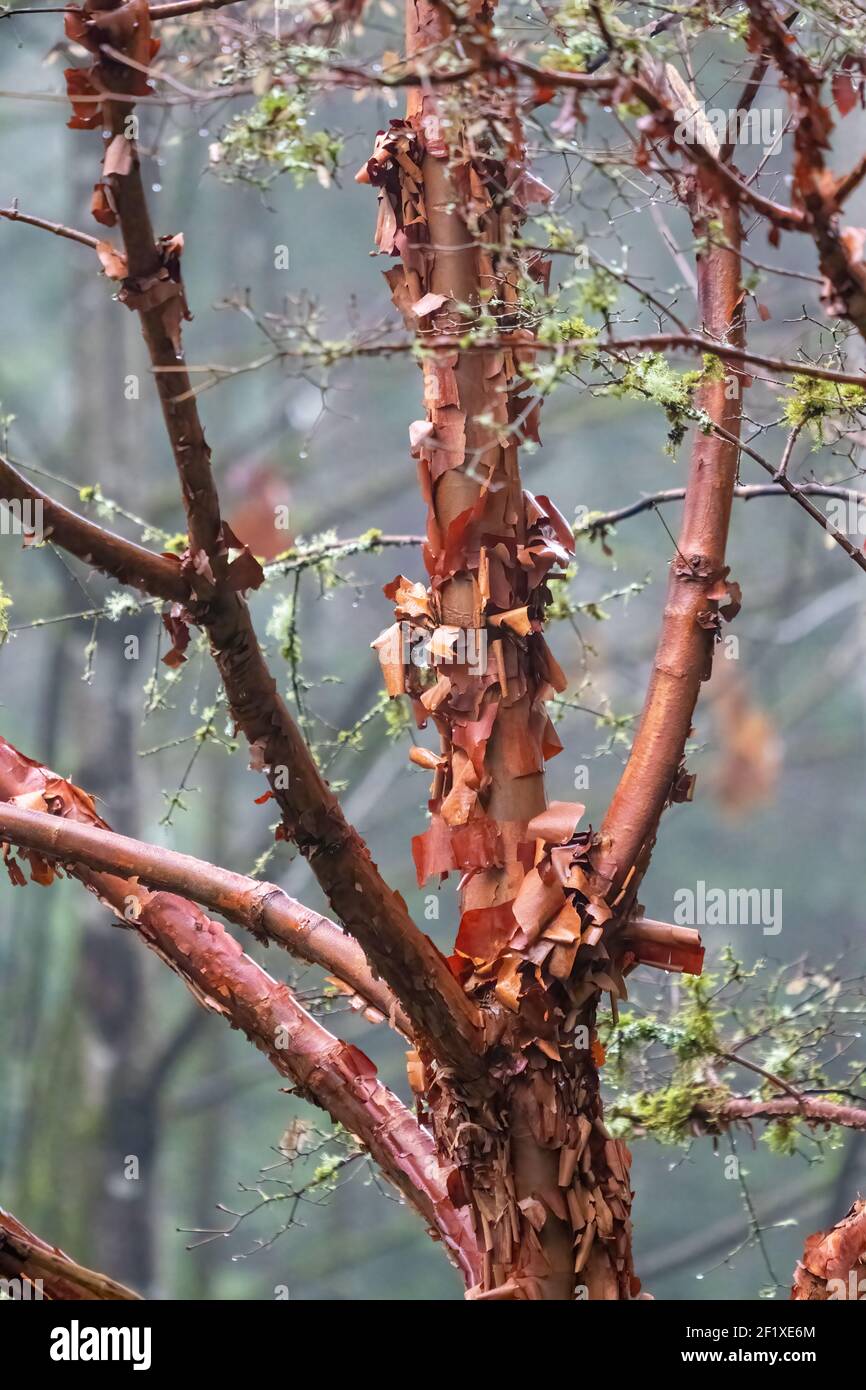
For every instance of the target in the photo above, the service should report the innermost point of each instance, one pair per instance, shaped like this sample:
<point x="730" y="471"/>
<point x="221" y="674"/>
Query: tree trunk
<point x="547" y="1186"/>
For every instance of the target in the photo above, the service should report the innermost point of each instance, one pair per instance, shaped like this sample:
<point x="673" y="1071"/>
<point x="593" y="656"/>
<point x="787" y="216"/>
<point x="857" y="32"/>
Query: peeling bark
<point x="546" y="1185"/>
<point x="152" y="285"/>
<point x="833" y="1266"/>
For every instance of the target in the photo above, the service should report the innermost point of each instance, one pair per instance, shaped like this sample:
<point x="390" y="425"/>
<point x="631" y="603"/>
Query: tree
<point x="508" y="1157"/>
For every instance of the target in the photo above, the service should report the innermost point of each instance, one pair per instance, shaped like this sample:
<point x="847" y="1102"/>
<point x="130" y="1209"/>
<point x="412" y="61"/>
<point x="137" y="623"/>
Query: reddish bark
<point x="547" y="1186"/>
<point x="128" y="563"/>
<point x="50" y="1272"/>
<point x="263" y="908"/>
<point x="526" y="1172"/>
<point x="697" y="588"/>
<point x="331" y="1074"/>
<point x="370" y="910"/>
<point x="811" y="1109"/>
<point x="834" y="1262"/>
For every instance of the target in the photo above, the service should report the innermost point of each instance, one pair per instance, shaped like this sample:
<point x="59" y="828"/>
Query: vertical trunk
<point x="547" y="1187"/>
<point x="697" y="586"/>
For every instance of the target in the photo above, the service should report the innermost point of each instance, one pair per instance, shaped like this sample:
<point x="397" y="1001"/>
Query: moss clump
<point x="812" y="402"/>
<point x="652" y="378"/>
<point x="273" y="138"/>
<point x="668" y="1114"/>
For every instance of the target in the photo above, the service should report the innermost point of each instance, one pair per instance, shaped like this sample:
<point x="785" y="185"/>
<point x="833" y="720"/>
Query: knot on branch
<point x="256" y="907"/>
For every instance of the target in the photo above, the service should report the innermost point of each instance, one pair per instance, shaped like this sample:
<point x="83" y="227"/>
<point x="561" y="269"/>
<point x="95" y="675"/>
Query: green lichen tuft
<point x="812" y="402"/>
<point x="274" y="138"/>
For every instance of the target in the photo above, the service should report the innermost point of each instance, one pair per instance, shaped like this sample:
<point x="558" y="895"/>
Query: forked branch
<point x="332" y="1074"/>
<point x="374" y="914"/>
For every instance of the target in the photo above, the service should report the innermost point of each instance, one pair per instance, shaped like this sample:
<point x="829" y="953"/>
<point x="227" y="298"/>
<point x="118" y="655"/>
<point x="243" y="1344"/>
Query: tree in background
<point x="506" y="1155"/>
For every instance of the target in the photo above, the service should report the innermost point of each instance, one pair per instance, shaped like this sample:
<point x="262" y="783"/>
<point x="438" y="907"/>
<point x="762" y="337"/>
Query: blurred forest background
<point x="102" y="1053"/>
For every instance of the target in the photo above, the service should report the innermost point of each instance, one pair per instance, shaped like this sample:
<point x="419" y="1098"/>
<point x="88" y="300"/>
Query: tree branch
<point x="808" y="1108"/>
<point x="433" y="342"/>
<point x="595" y="525"/>
<point x="820" y="196"/>
<point x="377" y="916"/>
<point x="128" y="563"/>
<point x="26" y="1256"/>
<point x="650" y="88"/>
<point x="185" y="7"/>
<point x="797" y="492"/>
<point x="262" y="908"/>
<point x="684" y="655"/>
<point x="331" y="1074"/>
<point x="12" y="214"/>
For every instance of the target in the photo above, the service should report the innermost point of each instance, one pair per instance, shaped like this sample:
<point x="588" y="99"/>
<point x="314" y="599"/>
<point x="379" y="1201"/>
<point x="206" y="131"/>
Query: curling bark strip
<point x="333" y="1075"/>
<point x="371" y="911"/>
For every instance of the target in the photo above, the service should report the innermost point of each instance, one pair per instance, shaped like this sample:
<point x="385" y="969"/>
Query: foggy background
<point x="102" y="1052"/>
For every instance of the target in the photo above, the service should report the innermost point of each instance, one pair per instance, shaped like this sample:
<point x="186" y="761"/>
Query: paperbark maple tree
<point x="508" y="1158"/>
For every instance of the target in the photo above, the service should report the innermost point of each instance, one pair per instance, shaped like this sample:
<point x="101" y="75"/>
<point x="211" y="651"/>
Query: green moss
<point x="572" y="329"/>
<point x="667" y="1114"/>
<point x="652" y="378"/>
<point x="811" y="403"/>
<point x="274" y="138"/>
